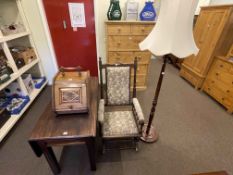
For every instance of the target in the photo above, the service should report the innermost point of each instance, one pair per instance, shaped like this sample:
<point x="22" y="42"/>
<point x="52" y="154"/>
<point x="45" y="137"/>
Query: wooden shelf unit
<point x="18" y="72"/>
<point x="13" y="36"/>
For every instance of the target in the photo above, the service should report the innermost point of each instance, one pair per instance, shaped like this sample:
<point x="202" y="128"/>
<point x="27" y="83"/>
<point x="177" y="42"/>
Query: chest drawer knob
<point x="208" y="89"/>
<point x="217" y="74"/>
<point x="223" y="99"/>
<point x="118" y="43"/>
<point x="143" y="29"/>
<point x="221" y="65"/>
<point x="212" y="81"/>
<point x="228" y="91"/>
<point x="119" y="29"/>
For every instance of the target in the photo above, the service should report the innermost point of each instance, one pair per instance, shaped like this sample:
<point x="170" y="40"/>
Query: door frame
<point x="49" y="38"/>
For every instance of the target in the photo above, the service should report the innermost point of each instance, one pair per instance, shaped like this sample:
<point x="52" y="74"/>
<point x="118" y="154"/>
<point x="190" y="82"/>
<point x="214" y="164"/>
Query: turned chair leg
<point x="137" y="147"/>
<point x="136" y="142"/>
<point x="102" y="148"/>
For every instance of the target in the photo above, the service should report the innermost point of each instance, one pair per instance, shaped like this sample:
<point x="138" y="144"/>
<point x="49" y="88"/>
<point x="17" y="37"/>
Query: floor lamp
<point x="172" y="34"/>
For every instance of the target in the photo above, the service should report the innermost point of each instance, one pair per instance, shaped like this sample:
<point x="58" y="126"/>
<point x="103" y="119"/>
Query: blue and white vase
<point x="148" y="12"/>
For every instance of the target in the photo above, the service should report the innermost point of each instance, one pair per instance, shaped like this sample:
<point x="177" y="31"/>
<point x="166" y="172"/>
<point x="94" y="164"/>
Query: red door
<point x="72" y="48"/>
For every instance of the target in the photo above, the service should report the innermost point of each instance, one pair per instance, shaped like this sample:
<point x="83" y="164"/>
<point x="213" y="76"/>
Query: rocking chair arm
<point x="101" y="111"/>
<point x="138" y="110"/>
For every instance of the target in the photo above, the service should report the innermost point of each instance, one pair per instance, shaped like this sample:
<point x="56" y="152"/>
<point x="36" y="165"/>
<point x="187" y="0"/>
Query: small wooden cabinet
<point x="219" y="82"/>
<point x="123" y="38"/>
<point x="213" y="34"/>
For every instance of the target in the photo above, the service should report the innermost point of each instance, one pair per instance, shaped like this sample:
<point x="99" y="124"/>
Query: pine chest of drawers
<point x="123" y="38"/>
<point x="219" y="82"/>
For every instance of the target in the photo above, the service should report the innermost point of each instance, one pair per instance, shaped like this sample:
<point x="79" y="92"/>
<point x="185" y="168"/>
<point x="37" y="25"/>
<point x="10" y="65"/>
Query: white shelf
<point x="7" y="126"/>
<point x="13" y="36"/>
<point x="18" y="72"/>
<point x="21" y="71"/>
<point x="32" y="97"/>
<point x="35" y="92"/>
<point x="25" y="68"/>
<point x="13" y="76"/>
<point x="14" y="118"/>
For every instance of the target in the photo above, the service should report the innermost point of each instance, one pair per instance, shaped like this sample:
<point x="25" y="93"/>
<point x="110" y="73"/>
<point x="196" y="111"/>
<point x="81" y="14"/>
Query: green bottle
<point x="114" y="10"/>
<point x="109" y="10"/>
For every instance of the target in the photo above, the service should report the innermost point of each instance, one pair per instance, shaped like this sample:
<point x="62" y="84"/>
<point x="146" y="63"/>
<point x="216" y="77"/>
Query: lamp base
<point x="151" y="137"/>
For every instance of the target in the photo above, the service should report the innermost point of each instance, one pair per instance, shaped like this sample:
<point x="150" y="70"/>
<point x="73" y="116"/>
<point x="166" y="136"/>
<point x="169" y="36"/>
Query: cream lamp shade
<point x="173" y="32"/>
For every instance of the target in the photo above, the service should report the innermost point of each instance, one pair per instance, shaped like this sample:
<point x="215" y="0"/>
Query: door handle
<point x="64" y="24"/>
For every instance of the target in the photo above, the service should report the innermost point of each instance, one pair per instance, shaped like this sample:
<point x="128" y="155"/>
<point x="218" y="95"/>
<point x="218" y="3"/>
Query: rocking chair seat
<point x="119" y="124"/>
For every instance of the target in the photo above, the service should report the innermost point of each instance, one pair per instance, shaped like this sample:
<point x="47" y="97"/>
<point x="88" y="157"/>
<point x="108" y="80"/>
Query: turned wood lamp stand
<point x="149" y="133"/>
<point x="172" y="34"/>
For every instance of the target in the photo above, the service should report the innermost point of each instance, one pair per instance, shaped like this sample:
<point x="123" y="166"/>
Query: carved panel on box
<point x="71" y="99"/>
<point x="70" y="95"/>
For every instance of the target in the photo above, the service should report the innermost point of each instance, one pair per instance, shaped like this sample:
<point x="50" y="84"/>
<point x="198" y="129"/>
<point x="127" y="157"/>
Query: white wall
<point x="200" y="4"/>
<point x="218" y="2"/>
<point x="35" y="23"/>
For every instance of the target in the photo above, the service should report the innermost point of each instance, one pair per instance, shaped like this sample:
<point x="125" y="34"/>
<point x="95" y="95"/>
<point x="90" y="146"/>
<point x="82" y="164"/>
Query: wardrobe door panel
<point x="208" y="41"/>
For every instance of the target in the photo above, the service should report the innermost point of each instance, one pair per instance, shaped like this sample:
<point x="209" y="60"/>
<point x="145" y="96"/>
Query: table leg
<point x="90" y="142"/>
<point x="51" y="158"/>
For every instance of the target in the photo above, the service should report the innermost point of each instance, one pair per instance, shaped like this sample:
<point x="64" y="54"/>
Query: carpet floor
<point x="195" y="135"/>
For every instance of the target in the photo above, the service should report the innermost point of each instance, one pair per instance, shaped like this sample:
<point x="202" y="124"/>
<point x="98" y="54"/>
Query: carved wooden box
<point x="70" y="91"/>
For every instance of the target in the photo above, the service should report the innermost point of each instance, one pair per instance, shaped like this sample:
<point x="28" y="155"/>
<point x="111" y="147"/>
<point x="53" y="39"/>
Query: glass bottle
<point x="109" y="10"/>
<point x="148" y="12"/>
<point x="114" y="11"/>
